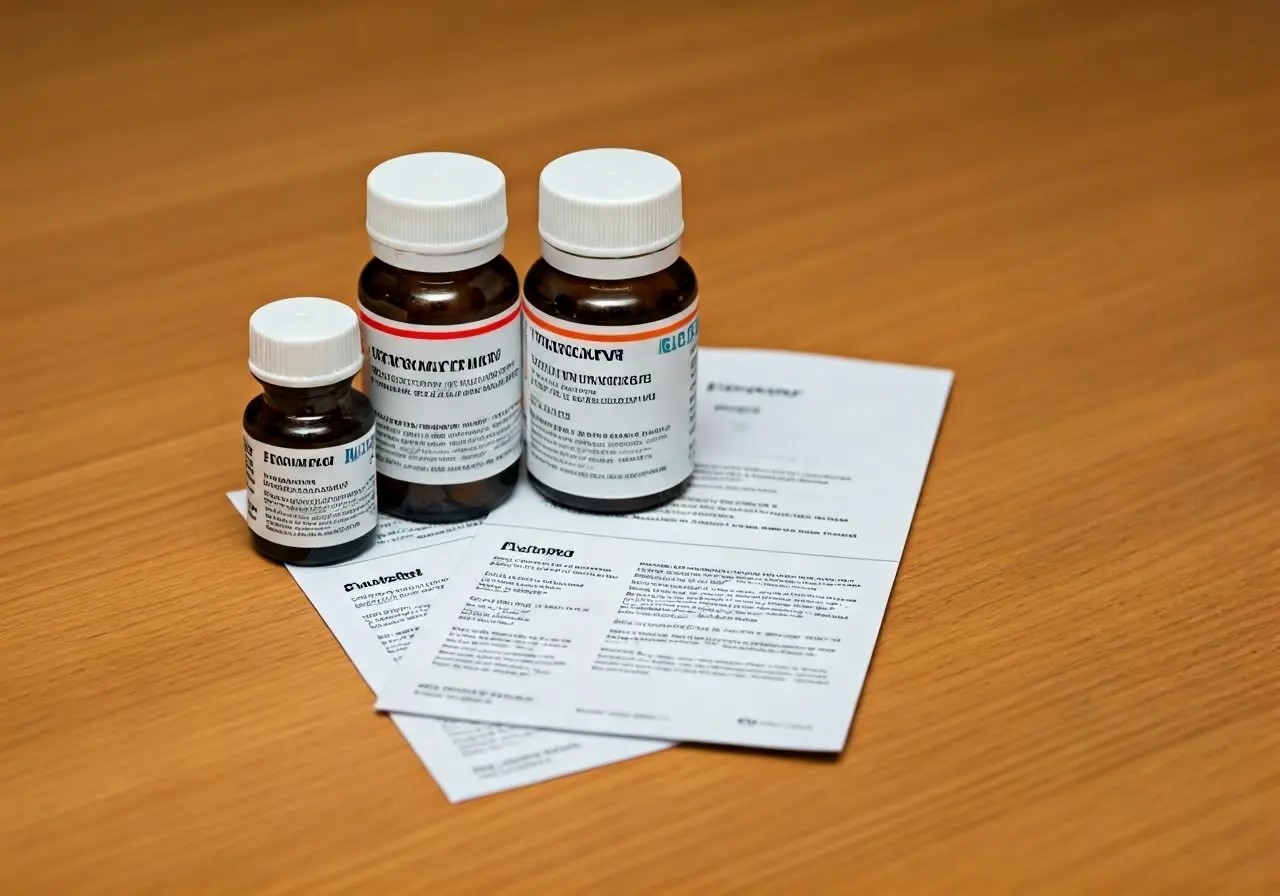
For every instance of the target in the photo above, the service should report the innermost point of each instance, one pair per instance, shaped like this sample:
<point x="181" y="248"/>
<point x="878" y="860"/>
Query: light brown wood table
<point x="1071" y="204"/>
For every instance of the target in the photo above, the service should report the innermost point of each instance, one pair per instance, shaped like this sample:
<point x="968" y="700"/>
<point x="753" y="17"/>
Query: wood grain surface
<point x="1074" y="205"/>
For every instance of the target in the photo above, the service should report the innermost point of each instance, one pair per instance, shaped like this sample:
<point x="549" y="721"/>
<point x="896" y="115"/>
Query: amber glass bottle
<point x="441" y="315"/>
<point x="611" y="335"/>
<point x="309" y="437"/>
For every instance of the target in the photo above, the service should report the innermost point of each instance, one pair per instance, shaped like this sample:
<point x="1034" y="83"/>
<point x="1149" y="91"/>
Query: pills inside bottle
<point x="611" y="336"/>
<point x="309" y="437"/>
<point x="441" y="315"/>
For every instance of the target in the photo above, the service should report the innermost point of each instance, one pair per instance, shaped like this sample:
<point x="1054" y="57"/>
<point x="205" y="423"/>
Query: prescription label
<point x="611" y="410"/>
<point x="447" y="399"/>
<point x="314" y="497"/>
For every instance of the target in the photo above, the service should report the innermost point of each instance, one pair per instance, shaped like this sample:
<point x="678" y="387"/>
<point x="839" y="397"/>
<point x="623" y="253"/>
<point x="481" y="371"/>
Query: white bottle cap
<point x="436" y="211"/>
<point x="610" y="213"/>
<point x="304" y="342"/>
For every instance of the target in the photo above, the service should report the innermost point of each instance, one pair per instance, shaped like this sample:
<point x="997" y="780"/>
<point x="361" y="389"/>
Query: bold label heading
<point x="434" y="365"/>
<point x="535" y="549"/>
<point x="383" y="580"/>
<point x="280" y="460"/>
<point x="575" y="351"/>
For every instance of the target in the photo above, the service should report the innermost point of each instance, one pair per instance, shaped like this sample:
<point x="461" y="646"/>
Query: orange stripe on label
<point x="534" y="316"/>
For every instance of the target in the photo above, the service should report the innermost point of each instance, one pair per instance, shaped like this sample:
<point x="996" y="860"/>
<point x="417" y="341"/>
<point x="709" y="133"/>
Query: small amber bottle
<point x="611" y="337"/>
<point x="440" y="307"/>
<point x="309" y="437"/>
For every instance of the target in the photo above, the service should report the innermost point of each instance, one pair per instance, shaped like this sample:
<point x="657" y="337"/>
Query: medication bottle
<point x="611" y="337"/>
<point x="309" y="437"/>
<point x="440" y="307"/>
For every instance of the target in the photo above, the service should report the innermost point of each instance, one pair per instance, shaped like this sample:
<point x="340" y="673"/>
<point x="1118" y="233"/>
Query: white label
<point x="611" y="409"/>
<point x="311" y="497"/>
<point x="447" y="399"/>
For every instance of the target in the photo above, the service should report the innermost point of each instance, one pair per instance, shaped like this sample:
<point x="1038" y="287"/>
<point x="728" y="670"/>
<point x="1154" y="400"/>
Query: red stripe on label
<point x="478" y="330"/>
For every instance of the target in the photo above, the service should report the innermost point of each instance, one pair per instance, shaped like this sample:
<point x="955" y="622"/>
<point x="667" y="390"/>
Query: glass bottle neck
<point x="310" y="402"/>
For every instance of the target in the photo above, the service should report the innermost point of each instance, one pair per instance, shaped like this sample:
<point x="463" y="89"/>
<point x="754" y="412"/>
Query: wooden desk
<point x="1073" y="205"/>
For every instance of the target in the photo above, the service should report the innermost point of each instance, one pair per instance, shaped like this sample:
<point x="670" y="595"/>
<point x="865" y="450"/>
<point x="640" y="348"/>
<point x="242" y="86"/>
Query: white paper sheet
<point x="744" y="613"/>
<point x="375" y="603"/>
<point x="763" y="403"/>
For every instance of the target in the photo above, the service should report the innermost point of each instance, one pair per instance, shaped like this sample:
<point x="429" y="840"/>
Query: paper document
<point x="764" y="403"/>
<point x="375" y="603"/>
<point x="743" y="613"/>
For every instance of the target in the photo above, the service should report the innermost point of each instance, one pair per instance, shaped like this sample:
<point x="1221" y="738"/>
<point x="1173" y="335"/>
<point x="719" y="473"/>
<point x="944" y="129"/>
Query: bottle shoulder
<point x="351" y="419"/>
<point x="439" y="298"/>
<point x="638" y="300"/>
